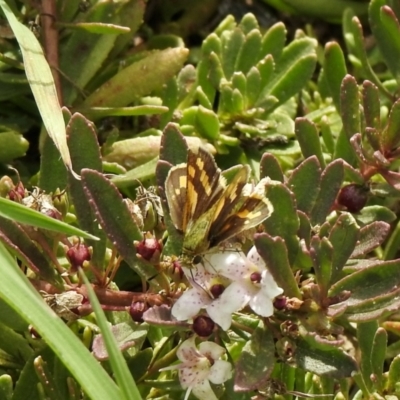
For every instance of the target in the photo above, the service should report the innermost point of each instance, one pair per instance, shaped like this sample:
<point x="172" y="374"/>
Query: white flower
<point x="199" y="296"/>
<point x="201" y="366"/>
<point x="252" y="283"/>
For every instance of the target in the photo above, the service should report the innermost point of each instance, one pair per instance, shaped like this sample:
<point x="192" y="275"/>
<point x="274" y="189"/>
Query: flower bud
<point x="137" y="309"/>
<point x="353" y="197"/>
<point x="149" y="249"/>
<point x="77" y="255"/>
<point x="203" y="326"/>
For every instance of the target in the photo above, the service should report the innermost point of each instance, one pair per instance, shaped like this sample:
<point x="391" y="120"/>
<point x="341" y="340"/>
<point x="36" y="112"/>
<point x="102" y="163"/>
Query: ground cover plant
<point x="199" y="199"/>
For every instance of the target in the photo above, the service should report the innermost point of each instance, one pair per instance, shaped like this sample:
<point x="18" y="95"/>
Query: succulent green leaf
<point x="173" y="145"/>
<point x="207" y="123"/>
<point x="321" y="251"/>
<point x="248" y="23"/>
<point x="249" y="52"/>
<point x="305" y="183"/>
<point x="366" y="332"/>
<point x="331" y="182"/>
<point x="253" y="80"/>
<point x="386" y="30"/>
<point x="335" y="70"/>
<point x="232" y="42"/>
<point x="138" y="79"/>
<point x="370" y="214"/>
<point x="237" y="102"/>
<point x="269" y="166"/>
<point x="82" y="135"/>
<point x="273" y="41"/>
<point x="12" y="145"/>
<point x="284" y="221"/>
<point x="256" y="361"/>
<point x="371" y="105"/>
<point x="115" y="218"/>
<point x="323" y="359"/>
<point x="374" y="291"/>
<point x="266" y="68"/>
<point x="378" y="355"/>
<point x="308" y="137"/>
<point x="343" y="237"/>
<point x="88" y="49"/>
<point x="294" y="68"/>
<point x="274" y="252"/>
<point x="239" y="82"/>
<point x="390" y="137"/>
<point x="394" y="373"/>
<point x="350" y="106"/>
<point x="370" y="237"/>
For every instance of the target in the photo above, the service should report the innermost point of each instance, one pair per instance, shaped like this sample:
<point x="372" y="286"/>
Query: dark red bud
<point x="203" y="326"/>
<point x="280" y="303"/>
<point x="137" y="309"/>
<point x="353" y="197"/>
<point x="149" y="249"/>
<point x="77" y="255"/>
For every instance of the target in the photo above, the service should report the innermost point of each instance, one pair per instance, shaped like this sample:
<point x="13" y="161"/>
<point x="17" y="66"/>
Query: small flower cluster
<point x="225" y="282"/>
<point x="200" y="366"/>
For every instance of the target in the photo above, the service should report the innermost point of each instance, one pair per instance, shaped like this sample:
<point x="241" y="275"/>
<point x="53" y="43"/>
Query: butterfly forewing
<point x="176" y="194"/>
<point x="204" y="182"/>
<point x="254" y="210"/>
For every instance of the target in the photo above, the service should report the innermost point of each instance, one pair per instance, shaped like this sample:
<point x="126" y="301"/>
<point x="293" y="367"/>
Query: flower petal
<point x="255" y="258"/>
<point x="233" y="299"/>
<point x="231" y="264"/>
<point x="269" y="285"/>
<point x="220" y="372"/>
<point x="203" y="391"/>
<point x="190" y="303"/>
<point x="261" y="304"/>
<point x="211" y="350"/>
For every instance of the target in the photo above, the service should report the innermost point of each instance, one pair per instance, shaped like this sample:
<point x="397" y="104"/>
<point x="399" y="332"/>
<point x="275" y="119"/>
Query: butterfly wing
<point x="176" y="194"/>
<point x="254" y="210"/>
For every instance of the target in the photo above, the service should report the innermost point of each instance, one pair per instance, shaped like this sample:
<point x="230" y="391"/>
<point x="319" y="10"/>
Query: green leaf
<point x="374" y="291"/>
<point x="370" y="237"/>
<point x="269" y="166"/>
<point x="394" y="373"/>
<point x="207" y="123"/>
<point x="115" y="219"/>
<point x="17" y="291"/>
<point x="126" y="384"/>
<point x="378" y="355"/>
<point x="390" y="135"/>
<point x="331" y="182"/>
<point x="371" y="105"/>
<point x="273" y="41"/>
<point x="82" y="135"/>
<point x="21" y="245"/>
<point x="366" y="332"/>
<point x="386" y="30"/>
<point x="308" y="137"/>
<point x="12" y="145"/>
<point x="294" y="68"/>
<point x="41" y="82"/>
<point x="323" y="359"/>
<point x="304" y="182"/>
<point x="138" y="79"/>
<point x="273" y="251"/>
<point x="284" y="221"/>
<point x="249" y="52"/>
<point x="343" y="237"/>
<point x="253" y="87"/>
<point x="232" y="42"/>
<point x="254" y="367"/>
<point x="335" y="70"/>
<point x="17" y="212"/>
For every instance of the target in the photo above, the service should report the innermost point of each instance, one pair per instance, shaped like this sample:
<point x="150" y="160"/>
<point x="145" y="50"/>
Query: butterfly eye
<point x="197" y="259"/>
